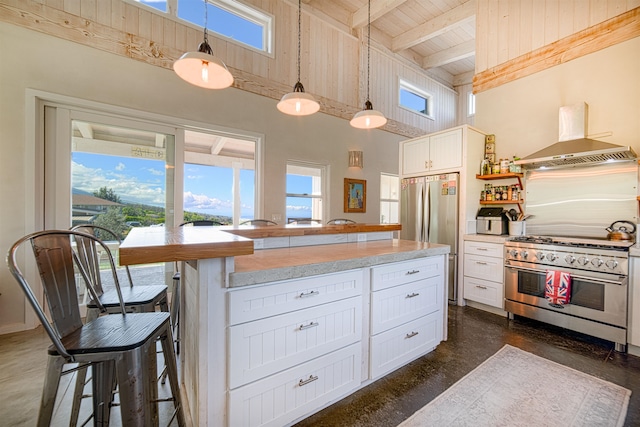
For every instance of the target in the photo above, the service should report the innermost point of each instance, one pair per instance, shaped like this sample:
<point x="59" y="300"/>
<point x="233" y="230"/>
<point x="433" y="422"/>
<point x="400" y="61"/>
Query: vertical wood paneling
<point x="88" y="10"/>
<point x="103" y="12"/>
<point x="526" y="25"/>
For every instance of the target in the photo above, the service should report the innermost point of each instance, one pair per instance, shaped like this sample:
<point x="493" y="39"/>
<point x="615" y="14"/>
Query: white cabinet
<point x="406" y="312"/>
<point x="437" y="152"/>
<point x="484" y="273"/>
<point x="293" y="347"/>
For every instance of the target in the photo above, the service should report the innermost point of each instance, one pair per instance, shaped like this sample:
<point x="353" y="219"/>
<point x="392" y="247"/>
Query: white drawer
<point x="394" y="306"/>
<point x="483" y="267"/>
<point x="263" y="347"/>
<point x="489" y="293"/>
<point x="484" y="248"/>
<point x="272" y="299"/>
<point x="398" y="346"/>
<point x="398" y="273"/>
<point x="282" y="398"/>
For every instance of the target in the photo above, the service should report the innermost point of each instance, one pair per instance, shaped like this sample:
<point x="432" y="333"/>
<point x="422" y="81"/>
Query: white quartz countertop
<point x="488" y="238"/>
<point x="271" y="265"/>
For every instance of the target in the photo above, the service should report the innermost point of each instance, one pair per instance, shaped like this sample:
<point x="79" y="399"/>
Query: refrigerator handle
<point x="429" y="212"/>
<point x="419" y="212"/>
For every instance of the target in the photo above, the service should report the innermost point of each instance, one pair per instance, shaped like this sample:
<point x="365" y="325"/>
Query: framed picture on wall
<point x="355" y="195"/>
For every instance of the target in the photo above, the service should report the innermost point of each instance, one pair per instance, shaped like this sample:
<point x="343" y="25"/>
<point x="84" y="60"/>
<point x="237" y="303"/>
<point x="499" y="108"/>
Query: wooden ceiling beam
<point x="456" y="53"/>
<point x="435" y="27"/>
<point x="379" y="8"/>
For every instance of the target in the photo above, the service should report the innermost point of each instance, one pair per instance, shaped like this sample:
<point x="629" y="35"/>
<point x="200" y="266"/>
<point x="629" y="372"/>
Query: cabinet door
<point x="445" y="150"/>
<point x="267" y="346"/>
<point x="484" y="291"/>
<point x="483" y="267"/>
<point x="282" y="398"/>
<point x="415" y="156"/>
<point x="634" y="298"/>
<point x="392" y="307"/>
<point x="396" y="347"/>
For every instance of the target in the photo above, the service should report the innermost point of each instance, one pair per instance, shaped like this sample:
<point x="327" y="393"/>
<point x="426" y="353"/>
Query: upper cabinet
<point x="434" y="153"/>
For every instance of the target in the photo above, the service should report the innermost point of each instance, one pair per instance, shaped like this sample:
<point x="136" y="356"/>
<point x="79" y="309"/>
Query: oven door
<point x="594" y="296"/>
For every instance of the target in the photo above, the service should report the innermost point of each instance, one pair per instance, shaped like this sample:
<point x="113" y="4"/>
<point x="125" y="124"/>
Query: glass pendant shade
<point x="203" y="69"/>
<point x="298" y="103"/>
<point x="368" y="118"/>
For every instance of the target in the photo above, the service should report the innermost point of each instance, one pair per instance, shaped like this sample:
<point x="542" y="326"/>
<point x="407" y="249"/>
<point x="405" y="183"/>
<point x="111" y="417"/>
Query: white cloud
<point x="201" y="201"/>
<point x="298" y="208"/>
<point x="120" y="166"/>
<point x="155" y="172"/>
<point x="128" y="188"/>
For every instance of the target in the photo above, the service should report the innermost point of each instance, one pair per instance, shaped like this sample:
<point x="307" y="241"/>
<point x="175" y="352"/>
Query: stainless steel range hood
<point x="573" y="147"/>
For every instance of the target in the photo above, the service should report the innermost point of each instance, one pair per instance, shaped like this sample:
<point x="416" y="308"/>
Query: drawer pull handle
<point x="481" y="263"/>
<point x="415" y="294"/>
<point x="309" y="294"/>
<point x="310" y="325"/>
<point x="413" y="272"/>
<point x="481" y="287"/>
<point x="482" y="249"/>
<point x="308" y="380"/>
<point x="411" y="335"/>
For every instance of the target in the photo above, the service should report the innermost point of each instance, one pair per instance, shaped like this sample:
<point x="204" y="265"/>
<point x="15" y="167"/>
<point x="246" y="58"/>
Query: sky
<point x="206" y="189"/>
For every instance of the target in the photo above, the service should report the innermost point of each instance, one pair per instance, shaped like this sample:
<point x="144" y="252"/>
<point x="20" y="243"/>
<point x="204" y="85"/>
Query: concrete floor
<point x="474" y="335"/>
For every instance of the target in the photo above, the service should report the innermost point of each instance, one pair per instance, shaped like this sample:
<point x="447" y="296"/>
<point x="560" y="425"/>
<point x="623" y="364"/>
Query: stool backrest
<point x="89" y="257"/>
<point x="54" y="256"/>
<point x="201" y="222"/>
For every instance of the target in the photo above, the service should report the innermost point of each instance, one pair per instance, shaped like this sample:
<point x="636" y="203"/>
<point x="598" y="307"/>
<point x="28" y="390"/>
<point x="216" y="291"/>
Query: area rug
<point x="517" y="388"/>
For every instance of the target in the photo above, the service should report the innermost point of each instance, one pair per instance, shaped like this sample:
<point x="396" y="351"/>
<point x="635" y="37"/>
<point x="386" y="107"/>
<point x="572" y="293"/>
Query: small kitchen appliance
<point x="491" y="220"/>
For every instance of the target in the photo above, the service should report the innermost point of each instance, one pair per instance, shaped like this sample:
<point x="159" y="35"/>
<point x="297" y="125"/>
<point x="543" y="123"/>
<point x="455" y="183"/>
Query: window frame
<point x="324" y="186"/>
<point x="471" y="104"/>
<point x="244" y="11"/>
<point x="415" y="90"/>
<point x="388" y="200"/>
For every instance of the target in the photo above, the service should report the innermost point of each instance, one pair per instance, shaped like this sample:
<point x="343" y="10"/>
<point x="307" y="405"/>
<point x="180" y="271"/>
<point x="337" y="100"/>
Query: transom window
<point x="229" y="18"/>
<point x="415" y="99"/>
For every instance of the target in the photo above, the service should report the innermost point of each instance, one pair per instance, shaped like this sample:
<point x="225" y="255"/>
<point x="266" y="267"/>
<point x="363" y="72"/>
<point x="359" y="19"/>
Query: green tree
<point x="114" y="220"/>
<point x="107" y="194"/>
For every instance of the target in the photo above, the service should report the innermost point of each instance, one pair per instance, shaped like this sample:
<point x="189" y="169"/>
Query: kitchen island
<point x="271" y="336"/>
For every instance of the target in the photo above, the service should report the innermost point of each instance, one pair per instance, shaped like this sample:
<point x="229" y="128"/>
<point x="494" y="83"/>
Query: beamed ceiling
<point x="434" y="34"/>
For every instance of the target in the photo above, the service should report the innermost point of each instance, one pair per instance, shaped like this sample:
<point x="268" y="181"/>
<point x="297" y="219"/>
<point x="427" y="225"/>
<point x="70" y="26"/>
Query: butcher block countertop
<point x="290" y="263"/>
<point x="164" y="244"/>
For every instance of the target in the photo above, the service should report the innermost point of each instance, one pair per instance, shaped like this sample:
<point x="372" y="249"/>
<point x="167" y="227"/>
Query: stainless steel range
<point x="599" y="271"/>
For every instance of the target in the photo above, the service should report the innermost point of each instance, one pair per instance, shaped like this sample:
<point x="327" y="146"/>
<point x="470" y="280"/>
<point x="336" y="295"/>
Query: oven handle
<point x="620" y="282"/>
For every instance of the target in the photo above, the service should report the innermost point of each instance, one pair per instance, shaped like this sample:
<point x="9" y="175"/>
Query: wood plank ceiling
<point x="430" y="33"/>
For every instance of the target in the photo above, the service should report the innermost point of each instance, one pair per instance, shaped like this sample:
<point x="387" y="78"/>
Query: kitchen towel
<point x="557" y="288"/>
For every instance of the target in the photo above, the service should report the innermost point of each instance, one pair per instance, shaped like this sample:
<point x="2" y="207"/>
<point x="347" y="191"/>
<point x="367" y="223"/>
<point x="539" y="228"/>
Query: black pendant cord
<point x="204" y="46"/>
<point x="299" y="26"/>
<point x="368" y="50"/>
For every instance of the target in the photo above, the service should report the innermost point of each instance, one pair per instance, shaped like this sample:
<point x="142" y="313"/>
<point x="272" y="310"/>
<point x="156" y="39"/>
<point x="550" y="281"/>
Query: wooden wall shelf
<point x="500" y="176"/>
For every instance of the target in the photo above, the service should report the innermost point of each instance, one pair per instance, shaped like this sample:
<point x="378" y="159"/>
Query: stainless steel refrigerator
<point x="429" y="213"/>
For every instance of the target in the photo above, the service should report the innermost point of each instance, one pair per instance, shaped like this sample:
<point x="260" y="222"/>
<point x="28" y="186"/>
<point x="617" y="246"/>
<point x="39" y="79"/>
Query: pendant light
<point x="201" y="68"/>
<point x="298" y="103"/>
<point x="368" y="118"/>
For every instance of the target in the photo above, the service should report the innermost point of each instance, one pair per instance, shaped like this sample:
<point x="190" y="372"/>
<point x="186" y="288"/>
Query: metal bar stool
<point x="120" y="346"/>
<point x="138" y="299"/>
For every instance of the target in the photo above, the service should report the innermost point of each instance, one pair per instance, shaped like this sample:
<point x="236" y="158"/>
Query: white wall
<point x="31" y="60"/>
<point x="523" y="114"/>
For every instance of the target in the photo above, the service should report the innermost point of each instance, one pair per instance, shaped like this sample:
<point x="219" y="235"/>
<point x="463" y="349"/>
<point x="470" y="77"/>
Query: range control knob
<point x="552" y="257"/>
<point x="524" y="254"/>
<point x="513" y="253"/>
<point x="570" y="259"/>
<point x="597" y="262"/>
<point x="611" y="263"/>
<point x="541" y="256"/>
<point x="583" y="260"/>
